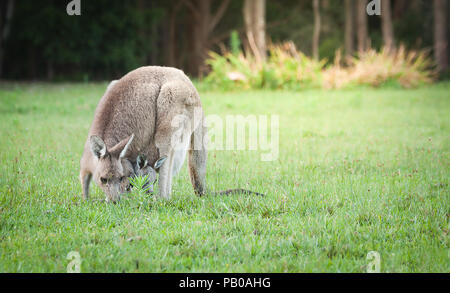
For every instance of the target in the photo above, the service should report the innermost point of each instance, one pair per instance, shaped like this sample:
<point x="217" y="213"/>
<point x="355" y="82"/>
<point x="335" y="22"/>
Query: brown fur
<point x="142" y="103"/>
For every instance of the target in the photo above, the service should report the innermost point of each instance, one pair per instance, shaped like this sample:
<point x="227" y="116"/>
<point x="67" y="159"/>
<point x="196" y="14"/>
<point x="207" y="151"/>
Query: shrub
<point x="285" y="68"/>
<point x="407" y="68"/>
<point x="292" y="69"/>
<point x="288" y="68"/>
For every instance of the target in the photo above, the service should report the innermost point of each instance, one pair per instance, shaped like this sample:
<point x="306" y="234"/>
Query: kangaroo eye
<point x="122" y="178"/>
<point x="103" y="180"/>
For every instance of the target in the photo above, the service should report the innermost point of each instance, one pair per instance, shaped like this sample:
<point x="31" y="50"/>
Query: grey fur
<point x="158" y="163"/>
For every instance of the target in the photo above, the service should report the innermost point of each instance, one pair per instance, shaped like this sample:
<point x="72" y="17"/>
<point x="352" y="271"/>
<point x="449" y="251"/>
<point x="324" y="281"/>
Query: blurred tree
<point x="203" y="23"/>
<point x="440" y="35"/>
<point x="255" y="26"/>
<point x="362" y="25"/>
<point x="349" y="23"/>
<point x="48" y="43"/>
<point x="386" y="24"/>
<point x="112" y="37"/>
<point x="172" y="41"/>
<point x="316" y="34"/>
<point x="400" y="7"/>
<point x="6" y="13"/>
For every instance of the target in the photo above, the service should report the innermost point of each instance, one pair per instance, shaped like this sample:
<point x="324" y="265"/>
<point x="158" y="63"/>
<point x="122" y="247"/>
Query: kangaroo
<point x="135" y="127"/>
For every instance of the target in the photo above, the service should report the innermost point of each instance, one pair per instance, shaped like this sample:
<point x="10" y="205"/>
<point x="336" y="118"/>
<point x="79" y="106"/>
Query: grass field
<point x="359" y="170"/>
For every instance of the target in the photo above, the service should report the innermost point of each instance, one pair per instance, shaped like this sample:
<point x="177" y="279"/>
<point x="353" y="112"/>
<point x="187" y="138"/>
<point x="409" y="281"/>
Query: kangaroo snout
<point x="113" y="193"/>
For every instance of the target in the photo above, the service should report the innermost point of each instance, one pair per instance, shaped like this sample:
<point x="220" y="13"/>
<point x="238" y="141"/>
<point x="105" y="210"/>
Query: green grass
<point x="359" y="170"/>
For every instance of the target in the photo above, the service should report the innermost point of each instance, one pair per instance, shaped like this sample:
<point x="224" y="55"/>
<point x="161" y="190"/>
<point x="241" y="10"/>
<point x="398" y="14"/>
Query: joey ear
<point x="125" y="149"/>
<point x="98" y="147"/>
<point x="121" y="148"/>
<point x="141" y="161"/>
<point x="159" y="163"/>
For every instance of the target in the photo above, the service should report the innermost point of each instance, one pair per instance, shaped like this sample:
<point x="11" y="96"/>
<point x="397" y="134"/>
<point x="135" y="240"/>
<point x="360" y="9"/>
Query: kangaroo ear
<point x="98" y="147"/>
<point x="141" y="161"/>
<point x="159" y="163"/>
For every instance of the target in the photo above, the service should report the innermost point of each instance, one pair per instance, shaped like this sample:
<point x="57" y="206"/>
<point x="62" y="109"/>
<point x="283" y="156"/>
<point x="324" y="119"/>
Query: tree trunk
<point x="415" y="5"/>
<point x="172" y="41"/>
<point x="440" y="35"/>
<point x="203" y="25"/>
<point x="5" y="27"/>
<point x="153" y="58"/>
<point x="255" y="25"/>
<point x="165" y="41"/>
<point x="50" y="70"/>
<point x="32" y="63"/>
<point x="362" y="25"/>
<point x="386" y="25"/>
<point x="190" y="37"/>
<point x="201" y="34"/>
<point x="316" y="34"/>
<point x="400" y="7"/>
<point x="349" y="39"/>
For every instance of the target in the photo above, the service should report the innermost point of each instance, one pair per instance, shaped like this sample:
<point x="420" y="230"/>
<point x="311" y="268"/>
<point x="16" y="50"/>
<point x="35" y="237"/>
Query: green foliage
<point x="359" y="170"/>
<point x="285" y="68"/>
<point x="288" y="68"/>
<point x="104" y="42"/>
<point x="235" y="43"/>
<point x="138" y="183"/>
<point x="139" y="193"/>
<point x="399" y="66"/>
<point x="112" y="37"/>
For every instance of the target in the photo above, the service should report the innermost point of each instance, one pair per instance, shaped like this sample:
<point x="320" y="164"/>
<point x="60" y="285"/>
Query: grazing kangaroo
<point x="146" y="119"/>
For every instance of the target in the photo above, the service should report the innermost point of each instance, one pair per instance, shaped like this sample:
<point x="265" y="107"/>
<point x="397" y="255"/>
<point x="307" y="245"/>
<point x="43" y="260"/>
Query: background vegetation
<point x="40" y="41"/>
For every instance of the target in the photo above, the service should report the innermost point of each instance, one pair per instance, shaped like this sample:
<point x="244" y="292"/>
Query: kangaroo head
<point x="143" y="169"/>
<point x="112" y="168"/>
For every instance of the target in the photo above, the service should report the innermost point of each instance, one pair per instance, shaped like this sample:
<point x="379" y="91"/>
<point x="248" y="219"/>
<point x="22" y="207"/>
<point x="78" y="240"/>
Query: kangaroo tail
<point x="237" y="191"/>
